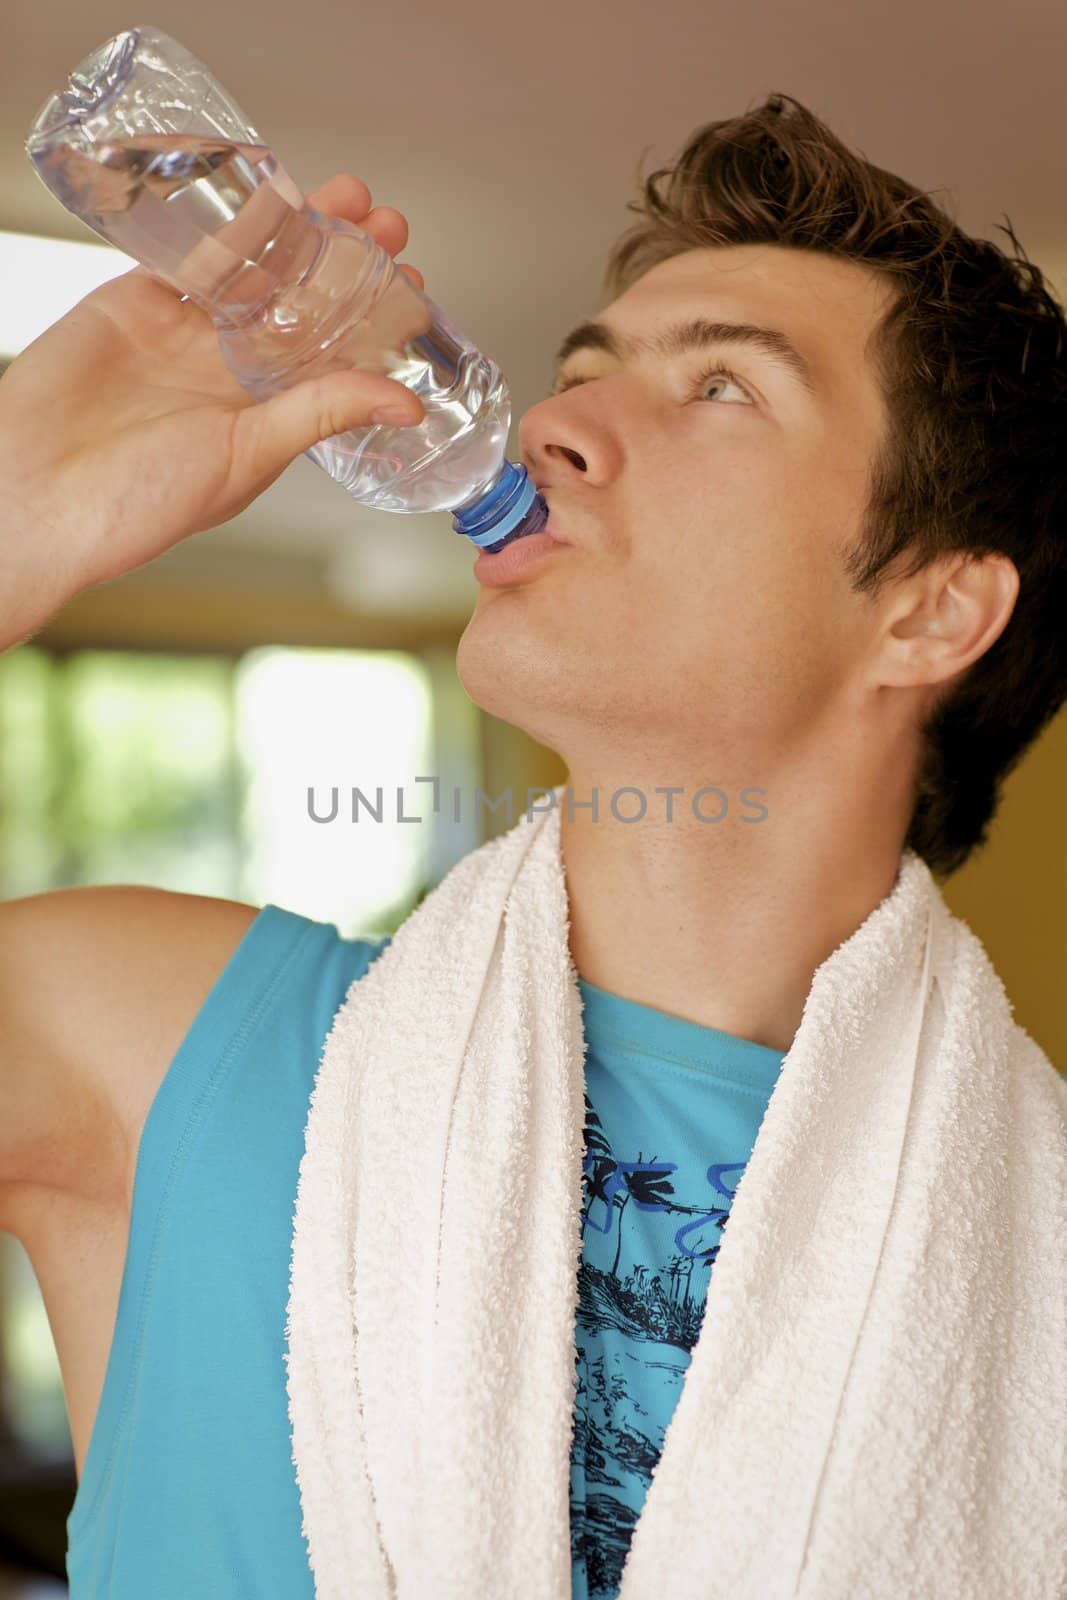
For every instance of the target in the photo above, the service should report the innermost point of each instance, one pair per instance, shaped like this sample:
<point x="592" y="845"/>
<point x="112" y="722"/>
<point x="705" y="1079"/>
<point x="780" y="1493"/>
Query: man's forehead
<point x="827" y="307"/>
<point x="810" y="284"/>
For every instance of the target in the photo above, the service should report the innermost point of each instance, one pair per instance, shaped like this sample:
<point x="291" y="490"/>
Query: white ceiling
<point x="510" y="138"/>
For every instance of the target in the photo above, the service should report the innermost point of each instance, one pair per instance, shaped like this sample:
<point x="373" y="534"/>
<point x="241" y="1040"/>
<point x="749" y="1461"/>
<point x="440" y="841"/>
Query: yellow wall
<point x="1014" y="893"/>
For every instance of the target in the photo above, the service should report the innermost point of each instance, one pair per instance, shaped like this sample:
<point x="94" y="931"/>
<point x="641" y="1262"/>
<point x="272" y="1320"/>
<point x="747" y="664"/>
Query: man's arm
<point x="122" y="432"/>
<point x="98" y="987"/>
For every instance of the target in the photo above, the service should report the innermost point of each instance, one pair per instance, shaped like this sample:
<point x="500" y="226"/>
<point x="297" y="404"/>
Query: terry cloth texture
<point x="877" y="1399"/>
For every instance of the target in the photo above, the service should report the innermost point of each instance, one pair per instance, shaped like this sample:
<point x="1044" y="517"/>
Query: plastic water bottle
<point x="156" y="157"/>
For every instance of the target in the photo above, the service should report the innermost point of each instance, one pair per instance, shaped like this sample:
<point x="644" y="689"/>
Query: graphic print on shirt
<point x="650" y="1236"/>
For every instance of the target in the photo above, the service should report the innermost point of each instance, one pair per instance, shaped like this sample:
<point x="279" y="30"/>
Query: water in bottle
<point x="154" y="156"/>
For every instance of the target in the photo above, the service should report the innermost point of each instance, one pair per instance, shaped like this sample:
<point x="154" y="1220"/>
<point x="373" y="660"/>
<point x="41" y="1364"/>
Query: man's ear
<point x="946" y="616"/>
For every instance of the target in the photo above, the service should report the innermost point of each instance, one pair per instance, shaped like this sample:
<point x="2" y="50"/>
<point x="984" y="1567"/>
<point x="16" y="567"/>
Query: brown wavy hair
<point x="971" y="355"/>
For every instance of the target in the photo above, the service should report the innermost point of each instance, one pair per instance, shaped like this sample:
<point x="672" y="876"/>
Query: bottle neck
<point x="510" y="507"/>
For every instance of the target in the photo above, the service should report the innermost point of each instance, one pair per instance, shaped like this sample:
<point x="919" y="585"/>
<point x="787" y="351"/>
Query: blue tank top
<point x="188" y="1485"/>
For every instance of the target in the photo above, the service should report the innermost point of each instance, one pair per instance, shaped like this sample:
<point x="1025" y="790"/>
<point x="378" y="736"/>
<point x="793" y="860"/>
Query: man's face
<point x="702" y="609"/>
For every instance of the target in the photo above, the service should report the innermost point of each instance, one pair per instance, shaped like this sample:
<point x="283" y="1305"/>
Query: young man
<point x="806" y="473"/>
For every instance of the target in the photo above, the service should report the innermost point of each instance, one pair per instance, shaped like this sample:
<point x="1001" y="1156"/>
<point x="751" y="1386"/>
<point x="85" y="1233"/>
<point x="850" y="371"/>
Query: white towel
<point x="876" y="1406"/>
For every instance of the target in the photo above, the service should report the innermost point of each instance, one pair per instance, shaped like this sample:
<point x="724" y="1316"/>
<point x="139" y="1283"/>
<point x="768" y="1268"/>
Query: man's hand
<point x="122" y="430"/>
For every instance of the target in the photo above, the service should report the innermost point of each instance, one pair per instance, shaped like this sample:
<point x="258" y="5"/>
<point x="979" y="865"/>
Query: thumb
<point x="273" y="432"/>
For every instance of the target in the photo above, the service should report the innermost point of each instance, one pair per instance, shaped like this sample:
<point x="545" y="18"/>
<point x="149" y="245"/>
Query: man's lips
<point x="521" y="559"/>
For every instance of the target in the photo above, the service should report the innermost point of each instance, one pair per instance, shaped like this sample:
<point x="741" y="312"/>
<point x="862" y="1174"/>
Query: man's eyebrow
<point x="693" y="334"/>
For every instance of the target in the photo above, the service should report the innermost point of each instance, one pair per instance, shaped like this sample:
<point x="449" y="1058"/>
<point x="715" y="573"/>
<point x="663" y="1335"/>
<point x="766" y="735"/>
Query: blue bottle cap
<point x="500" y="510"/>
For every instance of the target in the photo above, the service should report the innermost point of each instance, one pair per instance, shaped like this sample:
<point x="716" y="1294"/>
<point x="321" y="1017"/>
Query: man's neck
<point x="723" y="923"/>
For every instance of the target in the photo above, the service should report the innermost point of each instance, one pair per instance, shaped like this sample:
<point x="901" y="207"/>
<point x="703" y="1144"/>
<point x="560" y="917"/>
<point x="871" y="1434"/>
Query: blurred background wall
<point x="165" y="728"/>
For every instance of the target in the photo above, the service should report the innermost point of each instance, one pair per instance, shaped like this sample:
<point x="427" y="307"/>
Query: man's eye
<point x="719" y="371"/>
<point x="699" y="384"/>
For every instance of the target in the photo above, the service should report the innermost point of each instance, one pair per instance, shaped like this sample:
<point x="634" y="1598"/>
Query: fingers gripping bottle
<point x="147" y="149"/>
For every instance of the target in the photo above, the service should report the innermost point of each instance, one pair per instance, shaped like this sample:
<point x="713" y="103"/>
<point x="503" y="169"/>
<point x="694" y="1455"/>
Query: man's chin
<point x="512" y="670"/>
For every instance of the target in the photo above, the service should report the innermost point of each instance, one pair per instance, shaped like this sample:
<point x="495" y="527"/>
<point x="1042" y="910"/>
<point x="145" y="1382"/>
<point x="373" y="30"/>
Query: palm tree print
<point x="634" y="1332"/>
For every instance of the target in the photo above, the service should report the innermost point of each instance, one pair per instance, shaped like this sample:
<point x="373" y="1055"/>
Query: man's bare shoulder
<point x="121" y="922"/>
<point x="98" y="987"/>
